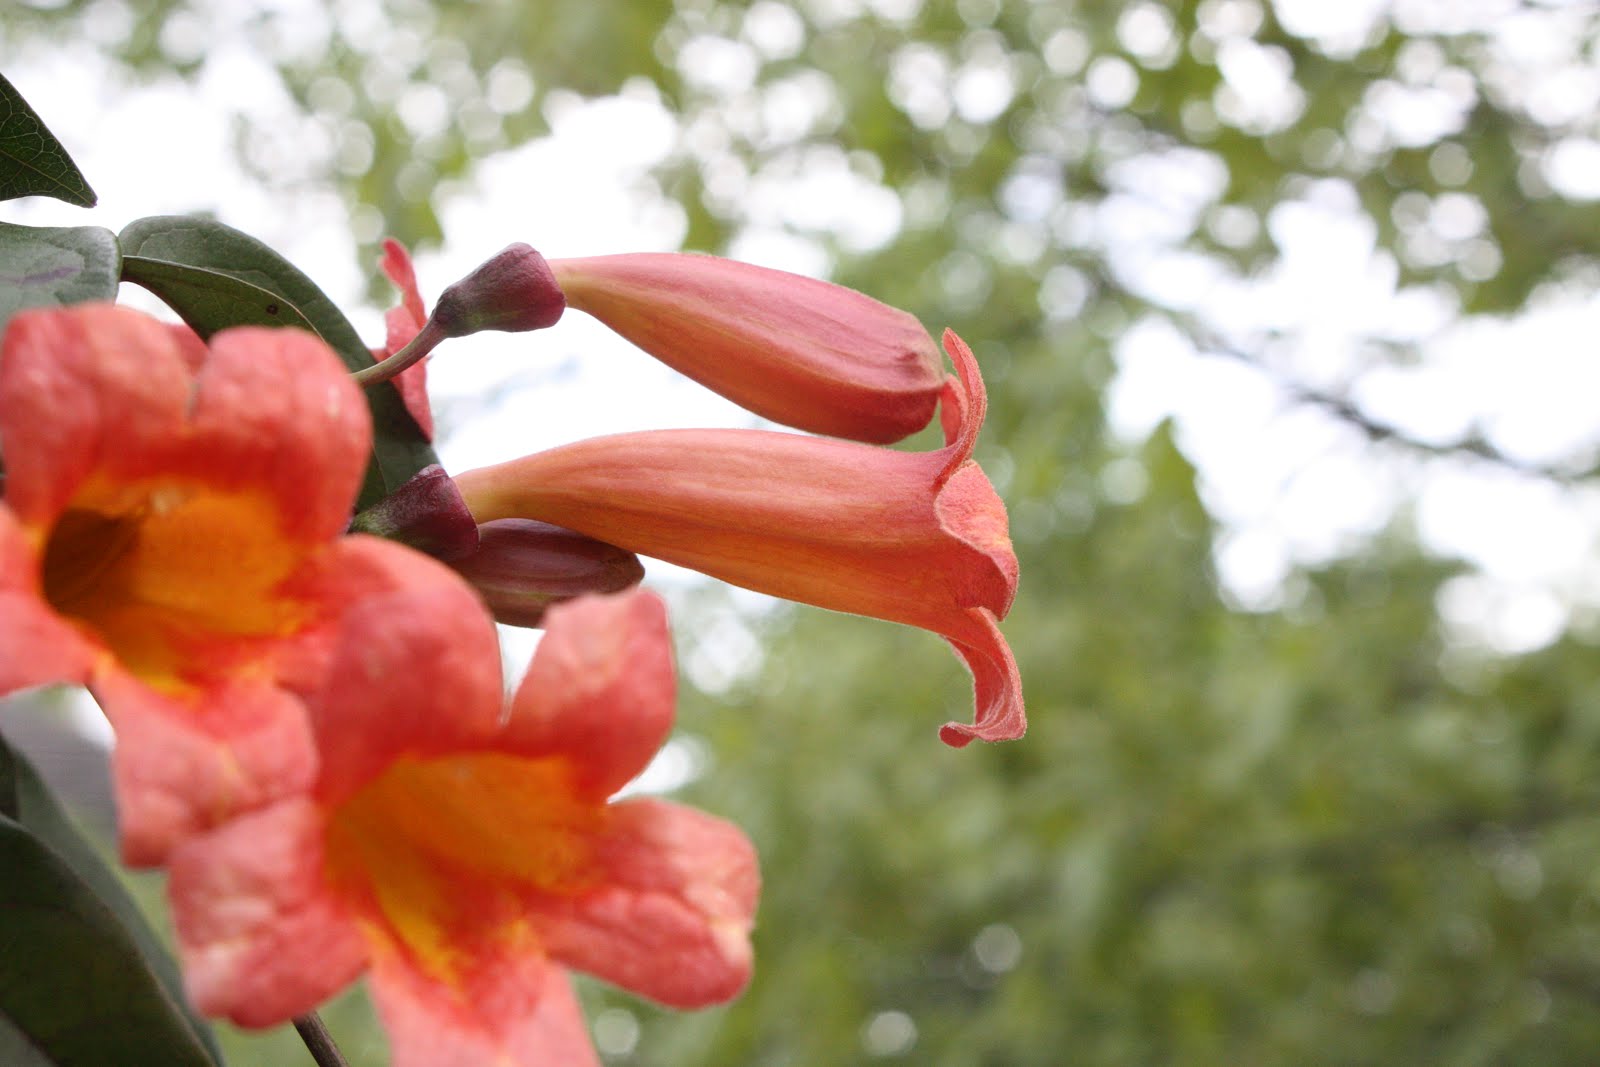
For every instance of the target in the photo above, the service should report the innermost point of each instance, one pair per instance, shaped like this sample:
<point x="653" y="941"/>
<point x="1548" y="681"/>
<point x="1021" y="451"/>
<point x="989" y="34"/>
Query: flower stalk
<point x="319" y="1040"/>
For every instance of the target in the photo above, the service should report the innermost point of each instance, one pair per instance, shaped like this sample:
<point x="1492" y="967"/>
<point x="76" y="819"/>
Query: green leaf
<point x="184" y="256"/>
<point x="17" y="1050"/>
<point x="72" y="979"/>
<point x="32" y="161"/>
<point x="38" y="813"/>
<point x="8" y="782"/>
<point x="48" y="266"/>
<point x="83" y="980"/>
<point x="212" y="300"/>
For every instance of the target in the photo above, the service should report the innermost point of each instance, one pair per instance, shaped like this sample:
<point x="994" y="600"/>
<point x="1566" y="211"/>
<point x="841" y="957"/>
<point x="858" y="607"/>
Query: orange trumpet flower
<point x="465" y="857"/>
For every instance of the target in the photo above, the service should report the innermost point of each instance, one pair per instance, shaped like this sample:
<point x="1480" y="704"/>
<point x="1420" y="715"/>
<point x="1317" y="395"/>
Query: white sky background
<point x="1289" y="483"/>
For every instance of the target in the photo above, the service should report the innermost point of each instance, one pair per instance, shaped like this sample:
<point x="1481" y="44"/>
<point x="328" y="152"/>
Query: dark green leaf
<point x="206" y="247"/>
<point x="212" y="300"/>
<point x="17" y="1050"/>
<point x="46" y="266"/>
<point x="72" y="979"/>
<point x="212" y="246"/>
<point x="32" y="161"/>
<point x="8" y="782"/>
<point x="37" y="815"/>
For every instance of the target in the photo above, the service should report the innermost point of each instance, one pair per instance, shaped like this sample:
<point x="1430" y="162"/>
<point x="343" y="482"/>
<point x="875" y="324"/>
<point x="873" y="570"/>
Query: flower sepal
<point x="426" y="513"/>
<point x="521" y="567"/>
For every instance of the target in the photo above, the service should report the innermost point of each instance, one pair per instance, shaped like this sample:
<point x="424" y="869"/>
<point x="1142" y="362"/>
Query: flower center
<point x="83" y="546"/>
<point x="446" y="848"/>
<point x="178" y="581"/>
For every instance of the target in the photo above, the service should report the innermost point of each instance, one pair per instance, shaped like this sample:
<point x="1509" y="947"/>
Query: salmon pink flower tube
<point x="914" y="537"/>
<point x="796" y="350"/>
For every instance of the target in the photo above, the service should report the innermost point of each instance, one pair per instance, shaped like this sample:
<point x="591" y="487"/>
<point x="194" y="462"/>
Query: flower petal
<point x="183" y="764"/>
<point x="72" y="400"/>
<point x="415" y="668"/>
<point x="996" y="683"/>
<point x="402" y="324"/>
<point x="36" y="646"/>
<point x="671" y="919"/>
<point x="599" y="692"/>
<point x="261" y="938"/>
<point x="521" y="1013"/>
<point x="102" y="397"/>
<point x="274" y="408"/>
<point x="404" y="321"/>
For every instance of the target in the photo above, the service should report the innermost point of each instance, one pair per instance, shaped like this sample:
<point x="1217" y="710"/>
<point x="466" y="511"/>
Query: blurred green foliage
<point x="1321" y="833"/>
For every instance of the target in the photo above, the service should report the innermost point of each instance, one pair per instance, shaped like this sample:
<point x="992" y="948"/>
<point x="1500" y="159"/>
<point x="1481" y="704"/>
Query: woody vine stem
<point x="319" y="1042"/>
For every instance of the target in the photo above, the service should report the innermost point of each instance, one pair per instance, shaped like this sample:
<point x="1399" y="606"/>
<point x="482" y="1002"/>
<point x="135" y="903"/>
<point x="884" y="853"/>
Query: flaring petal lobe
<point x="261" y="941"/>
<point x="524" y="1016"/>
<point x="996" y="682"/>
<point x="275" y="409"/>
<point x="72" y="401"/>
<point x="184" y="764"/>
<point x="671" y="919"/>
<point x="599" y="692"/>
<point x="415" y="668"/>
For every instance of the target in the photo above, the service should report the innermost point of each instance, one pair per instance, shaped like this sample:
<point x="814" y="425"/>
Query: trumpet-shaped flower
<point x="797" y="350"/>
<point x="170" y="537"/>
<point x="913" y="537"/>
<point x="465" y="858"/>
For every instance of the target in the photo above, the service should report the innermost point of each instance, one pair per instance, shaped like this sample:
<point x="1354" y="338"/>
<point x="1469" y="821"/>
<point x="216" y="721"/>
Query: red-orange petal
<point x="996" y="684"/>
<point x="671" y="917"/>
<point x="104" y="392"/>
<point x="402" y="323"/>
<point x="184" y="763"/>
<point x="275" y="408"/>
<point x="414" y="670"/>
<point x="72" y="400"/>
<point x="522" y="1013"/>
<point x="36" y="646"/>
<point x="599" y="692"/>
<point x="261" y="938"/>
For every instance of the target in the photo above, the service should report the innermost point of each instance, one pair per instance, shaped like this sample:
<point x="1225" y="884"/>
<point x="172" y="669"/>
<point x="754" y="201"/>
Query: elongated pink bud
<point x="802" y="352"/>
<point x="521" y="567"/>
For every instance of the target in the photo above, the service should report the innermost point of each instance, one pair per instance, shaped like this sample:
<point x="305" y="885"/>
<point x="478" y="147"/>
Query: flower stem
<point x="319" y="1042"/>
<point x="426" y="340"/>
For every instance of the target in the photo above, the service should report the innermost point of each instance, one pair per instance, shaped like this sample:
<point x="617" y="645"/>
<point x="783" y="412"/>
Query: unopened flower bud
<point x="426" y="513"/>
<point x="513" y="292"/>
<point x="803" y="352"/>
<point x="521" y="567"/>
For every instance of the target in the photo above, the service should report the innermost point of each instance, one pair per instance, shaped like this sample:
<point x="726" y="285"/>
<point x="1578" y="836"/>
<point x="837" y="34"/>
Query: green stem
<point x="319" y="1042"/>
<point x="426" y="340"/>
